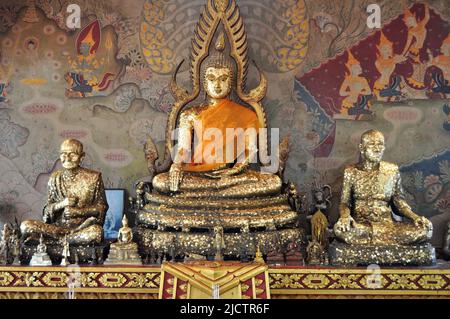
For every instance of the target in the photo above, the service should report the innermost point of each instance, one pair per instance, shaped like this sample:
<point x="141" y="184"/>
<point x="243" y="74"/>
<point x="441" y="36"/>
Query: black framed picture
<point x="113" y="219"/>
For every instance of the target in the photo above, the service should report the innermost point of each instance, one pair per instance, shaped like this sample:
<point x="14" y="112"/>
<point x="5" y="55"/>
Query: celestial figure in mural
<point x="386" y="86"/>
<point x="370" y="187"/>
<point x="83" y="78"/>
<point x="442" y="61"/>
<point x="355" y="89"/>
<point x="417" y="33"/>
<point x="76" y="203"/>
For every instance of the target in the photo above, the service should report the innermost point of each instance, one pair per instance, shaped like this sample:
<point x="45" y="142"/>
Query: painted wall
<point x="330" y="79"/>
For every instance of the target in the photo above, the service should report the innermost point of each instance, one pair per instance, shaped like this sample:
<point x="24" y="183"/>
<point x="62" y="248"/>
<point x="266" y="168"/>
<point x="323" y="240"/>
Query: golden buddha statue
<point x="124" y="251"/>
<point x="210" y="184"/>
<point x="371" y="193"/>
<point x="76" y="204"/>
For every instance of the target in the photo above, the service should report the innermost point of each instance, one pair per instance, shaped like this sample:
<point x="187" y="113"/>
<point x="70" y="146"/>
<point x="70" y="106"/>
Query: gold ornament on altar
<point x="210" y="183"/>
<point x="317" y="249"/>
<point x="371" y="193"/>
<point x="76" y="204"/>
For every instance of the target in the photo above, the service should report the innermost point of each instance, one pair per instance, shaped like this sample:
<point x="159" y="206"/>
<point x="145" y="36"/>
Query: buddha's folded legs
<point x="385" y="233"/>
<point x="408" y="233"/>
<point x="32" y="229"/>
<point x="35" y="228"/>
<point x="250" y="183"/>
<point x="359" y="234"/>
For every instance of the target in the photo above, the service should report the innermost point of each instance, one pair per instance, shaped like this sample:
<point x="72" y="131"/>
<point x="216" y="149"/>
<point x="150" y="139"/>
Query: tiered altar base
<point x="233" y="280"/>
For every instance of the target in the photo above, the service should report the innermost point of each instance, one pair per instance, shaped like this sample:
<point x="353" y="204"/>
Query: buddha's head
<point x="372" y="146"/>
<point x="71" y="153"/>
<point x="125" y="221"/>
<point x="218" y="72"/>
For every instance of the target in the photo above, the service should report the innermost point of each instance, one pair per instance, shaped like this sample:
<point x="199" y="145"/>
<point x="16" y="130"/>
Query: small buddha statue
<point x="40" y="257"/>
<point x="124" y="251"/>
<point x="371" y="193"/>
<point x="76" y="204"/>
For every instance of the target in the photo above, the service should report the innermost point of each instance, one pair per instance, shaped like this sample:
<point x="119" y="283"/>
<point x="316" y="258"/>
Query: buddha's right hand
<point x="69" y="202"/>
<point x="175" y="176"/>
<point x="345" y="223"/>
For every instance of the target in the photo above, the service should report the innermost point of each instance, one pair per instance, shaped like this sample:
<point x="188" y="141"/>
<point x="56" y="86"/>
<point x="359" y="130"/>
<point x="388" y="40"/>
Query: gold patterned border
<point x="84" y="279"/>
<point x="144" y="282"/>
<point x="360" y="281"/>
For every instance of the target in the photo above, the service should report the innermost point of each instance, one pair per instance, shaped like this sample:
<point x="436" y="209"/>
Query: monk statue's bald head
<point x="71" y="153"/>
<point x="372" y="146"/>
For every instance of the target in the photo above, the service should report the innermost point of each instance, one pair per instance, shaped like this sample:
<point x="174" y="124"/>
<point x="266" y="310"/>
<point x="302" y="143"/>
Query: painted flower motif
<point x="110" y="18"/>
<point x="16" y="29"/>
<point x="49" y="54"/>
<point x="135" y="58"/>
<point x="430" y="180"/>
<point x="61" y="39"/>
<point x="5" y="61"/>
<point x="444" y="169"/>
<point x="49" y="29"/>
<point x="443" y="205"/>
<point x="7" y="43"/>
<point x="124" y="99"/>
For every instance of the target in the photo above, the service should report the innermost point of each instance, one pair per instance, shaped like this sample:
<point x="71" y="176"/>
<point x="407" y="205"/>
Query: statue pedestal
<point x="231" y="280"/>
<point x="40" y="259"/>
<point x="353" y="255"/>
<point x="123" y="254"/>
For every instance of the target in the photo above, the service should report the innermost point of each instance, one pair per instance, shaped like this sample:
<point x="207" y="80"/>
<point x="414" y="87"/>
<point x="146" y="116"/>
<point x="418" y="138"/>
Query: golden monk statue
<point x="371" y="192"/>
<point x="76" y="204"/>
<point x="210" y="184"/>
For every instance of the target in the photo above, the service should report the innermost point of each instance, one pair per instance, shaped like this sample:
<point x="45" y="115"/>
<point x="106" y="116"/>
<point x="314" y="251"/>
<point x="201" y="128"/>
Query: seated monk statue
<point x="210" y="183"/>
<point x="76" y="204"/>
<point x="371" y="193"/>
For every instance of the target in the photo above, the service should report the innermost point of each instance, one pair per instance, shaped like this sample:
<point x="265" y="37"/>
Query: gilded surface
<point x="371" y="193"/>
<point x="76" y="203"/>
<point x="139" y="282"/>
<point x="244" y="204"/>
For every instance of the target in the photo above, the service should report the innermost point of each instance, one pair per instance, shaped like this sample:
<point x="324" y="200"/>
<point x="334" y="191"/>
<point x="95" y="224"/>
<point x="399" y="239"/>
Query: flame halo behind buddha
<point x="192" y="201"/>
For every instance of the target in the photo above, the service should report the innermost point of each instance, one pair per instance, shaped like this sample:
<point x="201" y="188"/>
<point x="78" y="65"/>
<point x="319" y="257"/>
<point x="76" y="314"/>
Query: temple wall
<point x="118" y="94"/>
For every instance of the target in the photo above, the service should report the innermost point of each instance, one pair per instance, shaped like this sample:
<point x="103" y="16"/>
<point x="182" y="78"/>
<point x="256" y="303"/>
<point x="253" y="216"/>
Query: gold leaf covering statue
<point x="210" y="184"/>
<point x="371" y="192"/>
<point x="76" y="204"/>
